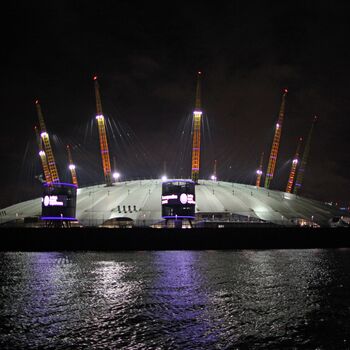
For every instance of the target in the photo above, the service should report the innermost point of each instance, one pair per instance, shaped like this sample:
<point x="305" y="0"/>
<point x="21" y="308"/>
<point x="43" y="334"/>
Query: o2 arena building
<point x="138" y="203"/>
<point x="177" y="202"/>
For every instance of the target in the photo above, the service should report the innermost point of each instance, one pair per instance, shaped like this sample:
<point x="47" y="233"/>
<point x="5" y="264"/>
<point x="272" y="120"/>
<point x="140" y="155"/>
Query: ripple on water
<point x="176" y="299"/>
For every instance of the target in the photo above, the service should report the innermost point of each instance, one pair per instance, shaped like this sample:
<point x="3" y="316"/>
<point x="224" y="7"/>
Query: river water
<point x="273" y="299"/>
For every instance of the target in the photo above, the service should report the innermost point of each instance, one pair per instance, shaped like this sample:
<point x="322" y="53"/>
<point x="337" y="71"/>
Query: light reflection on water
<point x="176" y="299"/>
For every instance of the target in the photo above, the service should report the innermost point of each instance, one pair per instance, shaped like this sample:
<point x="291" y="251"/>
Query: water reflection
<point x="180" y="290"/>
<point x="177" y="300"/>
<point x="37" y="303"/>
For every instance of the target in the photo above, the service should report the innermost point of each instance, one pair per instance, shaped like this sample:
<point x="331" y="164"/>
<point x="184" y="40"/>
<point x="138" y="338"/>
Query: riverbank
<point x="100" y="239"/>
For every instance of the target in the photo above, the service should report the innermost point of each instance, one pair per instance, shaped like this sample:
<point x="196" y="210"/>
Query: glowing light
<point x="277" y="125"/>
<point x="58" y="218"/>
<point x="295" y="161"/>
<point x="100" y="117"/>
<point x="164" y="178"/>
<point x="285" y="91"/>
<point x="183" y="198"/>
<point x="51" y="201"/>
<point x="44" y="134"/>
<point x="197" y="113"/>
<point x="95" y="77"/>
<point x="259" y="172"/>
<point x="71" y="167"/>
<point x="58" y="184"/>
<point x="190" y="199"/>
<point x="178" y="217"/>
<point x="213" y="177"/>
<point x="170" y="196"/>
<point x="116" y="176"/>
<point x="41" y="153"/>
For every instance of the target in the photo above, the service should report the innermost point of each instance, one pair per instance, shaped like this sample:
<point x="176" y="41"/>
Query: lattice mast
<point x="106" y="163"/>
<point x="259" y="171"/>
<point x="196" y="138"/>
<point x="71" y="167"/>
<point x="276" y="142"/>
<point x="43" y="158"/>
<point x="47" y="145"/>
<point x="304" y="159"/>
<point x="294" y="167"/>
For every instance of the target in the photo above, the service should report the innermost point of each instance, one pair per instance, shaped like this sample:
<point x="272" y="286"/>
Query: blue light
<point x="178" y="217"/>
<point x="60" y="183"/>
<point x="58" y="218"/>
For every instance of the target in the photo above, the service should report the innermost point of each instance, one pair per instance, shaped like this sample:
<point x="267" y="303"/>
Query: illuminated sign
<point x="187" y="199"/>
<point x="58" y="202"/>
<point x="178" y="199"/>
<point x="52" y="201"/>
<point x="165" y="199"/>
<point x="184" y="198"/>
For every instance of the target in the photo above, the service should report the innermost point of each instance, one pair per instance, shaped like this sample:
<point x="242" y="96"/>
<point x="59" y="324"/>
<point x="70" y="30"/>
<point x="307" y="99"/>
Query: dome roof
<point x="140" y="201"/>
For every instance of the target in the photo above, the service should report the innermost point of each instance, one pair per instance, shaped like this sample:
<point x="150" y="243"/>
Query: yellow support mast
<point x="106" y="163"/>
<point x="42" y="155"/>
<point x="294" y="167"/>
<point x="47" y="146"/>
<point x="196" y="140"/>
<point x="71" y="167"/>
<point x="259" y="171"/>
<point x="276" y="142"/>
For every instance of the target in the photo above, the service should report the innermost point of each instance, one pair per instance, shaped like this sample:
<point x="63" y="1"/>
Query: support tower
<point x="43" y="158"/>
<point x="47" y="145"/>
<point x="301" y="171"/>
<point x="71" y="167"/>
<point x="294" y="167"/>
<point x="276" y="142"/>
<point x="259" y="171"/>
<point x="106" y="163"/>
<point x="196" y="140"/>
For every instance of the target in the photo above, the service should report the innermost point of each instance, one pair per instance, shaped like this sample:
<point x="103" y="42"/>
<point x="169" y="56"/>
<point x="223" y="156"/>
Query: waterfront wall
<point x="102" y="239"/>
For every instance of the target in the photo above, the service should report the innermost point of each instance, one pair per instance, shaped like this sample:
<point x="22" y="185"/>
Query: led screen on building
<point x="178" y="199"/>
<point x="59" y="202"/>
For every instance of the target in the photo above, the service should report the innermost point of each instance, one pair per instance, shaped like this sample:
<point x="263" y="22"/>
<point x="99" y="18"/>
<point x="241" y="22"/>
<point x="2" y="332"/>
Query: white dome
<point x="140" y="201"/>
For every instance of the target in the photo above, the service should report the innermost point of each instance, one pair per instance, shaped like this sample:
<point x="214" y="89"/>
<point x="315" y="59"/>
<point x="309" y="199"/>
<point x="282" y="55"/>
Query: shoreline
<point x="107" y="239"/>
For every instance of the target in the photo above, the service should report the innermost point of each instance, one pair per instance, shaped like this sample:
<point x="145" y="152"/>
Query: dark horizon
<point x="147" y="60"/>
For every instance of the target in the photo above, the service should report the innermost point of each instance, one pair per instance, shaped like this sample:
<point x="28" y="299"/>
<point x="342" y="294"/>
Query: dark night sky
<point x="147" y="58"/>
